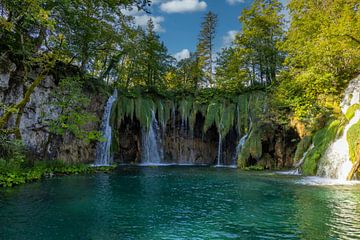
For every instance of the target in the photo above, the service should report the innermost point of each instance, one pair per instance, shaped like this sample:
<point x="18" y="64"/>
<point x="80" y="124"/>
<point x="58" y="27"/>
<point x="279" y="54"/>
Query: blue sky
<point x="178" y="22"/>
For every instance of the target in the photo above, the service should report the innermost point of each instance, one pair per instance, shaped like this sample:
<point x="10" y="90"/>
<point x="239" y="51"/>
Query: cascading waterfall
<point x="239" y="147"/>
<point x="152" y="153"/>
<point x="297" y="170"/>
<point x="336" y="162"/>
<point x="301" y="161"/>
<point x="103" y="155"/>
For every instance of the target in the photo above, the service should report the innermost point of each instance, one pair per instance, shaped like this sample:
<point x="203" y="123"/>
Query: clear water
<point x="179" y="203"/>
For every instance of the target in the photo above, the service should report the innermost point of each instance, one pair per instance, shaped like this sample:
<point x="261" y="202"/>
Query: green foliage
<point x="323" y="48"/>
<point x="351" y="111"/>
<point x="321" y="140"/>
<point x="256" y="50"/>
<point x="12" y="152"/>
<point x="143" y="110"/>
<point x="254" y="168"/>
<point x="212" y="115"/>
<point x="227" y="118"/>
<point x="10" y="176"/>
<point x="185" y="107"/>
<point x="73" y="105"/>
<point x="353" y="139"/>
<point x="205" y="46"/>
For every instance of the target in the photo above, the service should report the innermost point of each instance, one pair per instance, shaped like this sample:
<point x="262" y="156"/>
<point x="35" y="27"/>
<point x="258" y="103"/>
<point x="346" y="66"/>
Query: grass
<point x="15" y="174"/>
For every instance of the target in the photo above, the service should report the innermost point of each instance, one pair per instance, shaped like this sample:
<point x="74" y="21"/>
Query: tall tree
<point x="262" y="31"/>
<point x="205" y="46"/>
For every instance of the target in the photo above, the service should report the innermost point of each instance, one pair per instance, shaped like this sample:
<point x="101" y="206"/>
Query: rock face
<point x="38" y="111"/>
<point x="179" y="145"/>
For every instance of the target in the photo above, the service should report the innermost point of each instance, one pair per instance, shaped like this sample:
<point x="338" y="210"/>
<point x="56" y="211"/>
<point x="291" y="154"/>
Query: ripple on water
<point x="180" y="203"/>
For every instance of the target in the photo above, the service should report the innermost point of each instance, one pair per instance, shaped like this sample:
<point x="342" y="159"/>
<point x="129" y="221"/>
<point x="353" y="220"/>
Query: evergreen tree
<point x="205" y="46"/>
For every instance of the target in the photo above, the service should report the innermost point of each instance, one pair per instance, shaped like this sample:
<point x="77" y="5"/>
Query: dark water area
<point x="179" y="203"/>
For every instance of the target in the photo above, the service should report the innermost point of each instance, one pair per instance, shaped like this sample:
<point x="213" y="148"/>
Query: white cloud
<point x="233" y="2"/>
<point x="141" y="19"/>
<point x="185" y="53"/>
<point x="181" y="6"/>
<point x="229" y="38"/>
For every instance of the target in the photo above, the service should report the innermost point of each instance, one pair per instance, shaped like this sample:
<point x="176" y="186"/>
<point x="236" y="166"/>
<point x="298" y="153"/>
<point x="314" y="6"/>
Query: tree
<point x="258" y="42"/>
<point x="37" y="33"/>
<point x="230" y="70"/>
<point x="323" y="54"/>
<point x="205" y="46"/>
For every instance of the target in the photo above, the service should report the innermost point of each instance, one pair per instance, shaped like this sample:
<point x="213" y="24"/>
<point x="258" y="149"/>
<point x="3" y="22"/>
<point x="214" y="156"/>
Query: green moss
<point x="227" y="117"/>
<point x="252" y="147"/>
<point x="351" y="111"/>
<point x="143" y="111"/>
<point x="212" y="115"/>
<point x="185" y="107"/>
<point x="353" y="138"/>
<point x="302" y="147"/>
<point x="322" y="139"/>
<point x="254" y="168"/>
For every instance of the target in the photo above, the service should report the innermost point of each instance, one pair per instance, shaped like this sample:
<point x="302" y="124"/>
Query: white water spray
<point x="152" y="154"/>
<point x="103" y="155"/>
<point x="336" y="162"/>
<point x="239" y="147"/>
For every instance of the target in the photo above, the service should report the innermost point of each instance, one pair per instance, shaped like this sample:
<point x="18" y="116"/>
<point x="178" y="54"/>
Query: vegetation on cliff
<point x="274" y="70"/>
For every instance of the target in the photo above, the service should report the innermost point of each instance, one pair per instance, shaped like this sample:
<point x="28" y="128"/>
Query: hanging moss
<point x="212" y="115"/>
<point x="321" y="140"/>
<point x="143" y="111"/>
<point x="227" y="118"/>
<point x="252" y="147"/>
<point x="353" y="139"/>
<point x="302" y="147"/>
<point x="196" y="108"/>
<point x="242" y="114"/>
<point x="185" y="107"/>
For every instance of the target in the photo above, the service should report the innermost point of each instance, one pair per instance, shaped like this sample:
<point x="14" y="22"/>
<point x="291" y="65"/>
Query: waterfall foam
<point x="336" y="162"/>
<point x="103" y="154"/>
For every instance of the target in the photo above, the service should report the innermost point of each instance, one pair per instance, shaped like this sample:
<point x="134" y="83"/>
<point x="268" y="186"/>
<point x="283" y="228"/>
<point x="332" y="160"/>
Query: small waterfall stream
<point x="103" y="155"/>
<point x="152" y="153"/>
<point x="336" y="162"/>
<point x="219" y="151"/>
<point x="239" y="147"/>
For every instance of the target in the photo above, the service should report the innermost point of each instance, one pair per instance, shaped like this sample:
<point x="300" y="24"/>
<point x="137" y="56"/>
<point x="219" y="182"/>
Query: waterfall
<point x="152" y="154"/>
<point x="301" y="161"/>
<point x="239" y="147"/>
<point x="336" y="162"/>
<point x="219" y="151"/>
<point x="297" y="165"/>
<point x="103" y="155"/>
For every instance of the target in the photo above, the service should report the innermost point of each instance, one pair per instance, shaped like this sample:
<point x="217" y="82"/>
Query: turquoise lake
<point x="179" y="203"/>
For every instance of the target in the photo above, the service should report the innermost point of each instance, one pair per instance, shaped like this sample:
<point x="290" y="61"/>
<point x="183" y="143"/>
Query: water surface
<point x="179" y="203"/>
